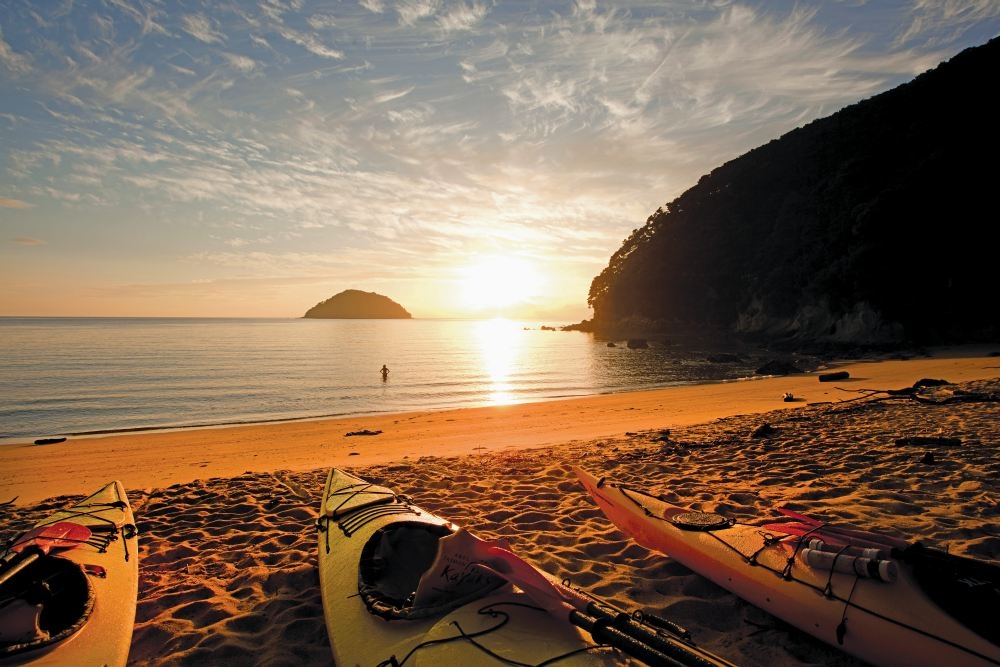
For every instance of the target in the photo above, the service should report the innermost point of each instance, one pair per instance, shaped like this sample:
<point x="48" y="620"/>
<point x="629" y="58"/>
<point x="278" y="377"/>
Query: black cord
<point x="492" y="611"/>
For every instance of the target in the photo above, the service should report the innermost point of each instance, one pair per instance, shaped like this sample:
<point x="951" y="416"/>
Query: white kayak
<point x="401" y="586"/>
<point x="876" y="597"/>
<point x="68" y="586"/>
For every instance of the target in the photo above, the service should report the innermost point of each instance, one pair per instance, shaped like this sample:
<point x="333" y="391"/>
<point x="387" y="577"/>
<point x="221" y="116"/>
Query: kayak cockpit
<point x="413" y="570"/>
<point x="47" y="601"/>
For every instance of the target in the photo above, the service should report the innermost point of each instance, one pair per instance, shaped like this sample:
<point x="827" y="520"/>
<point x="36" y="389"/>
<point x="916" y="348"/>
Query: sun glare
<point x="497" y="283"/>
<point x="499" y="345"/>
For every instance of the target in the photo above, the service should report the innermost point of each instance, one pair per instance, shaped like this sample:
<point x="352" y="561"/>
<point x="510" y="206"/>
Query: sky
<point x="241" y="158"/>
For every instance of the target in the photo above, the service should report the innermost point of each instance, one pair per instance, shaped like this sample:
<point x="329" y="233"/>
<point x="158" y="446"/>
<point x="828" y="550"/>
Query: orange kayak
<point x="876" y="597"/>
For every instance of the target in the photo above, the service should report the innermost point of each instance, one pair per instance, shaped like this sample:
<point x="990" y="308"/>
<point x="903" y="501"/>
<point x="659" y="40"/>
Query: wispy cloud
<point x="240" y="62"/>
<point x="11" y="60"/>
<point x="25" y="240"/>
<point x="389" y="96"/>
<point x="462" y="16"/>
<point x="201" y="28"/>
<point x="310" y="42"/>
<point x="412" y="11"/>
<point x="939" y="22"/>
<point x="145" y="16"/>
<point x="6" y="202"/>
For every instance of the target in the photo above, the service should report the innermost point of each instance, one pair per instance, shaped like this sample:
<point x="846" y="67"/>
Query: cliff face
<point x="355" y="304"/>
<point x="868" y="226"/>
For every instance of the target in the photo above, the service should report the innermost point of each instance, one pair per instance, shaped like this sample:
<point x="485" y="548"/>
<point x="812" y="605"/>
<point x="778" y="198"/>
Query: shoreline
<point x="814" y="364"/>
<point x="153" y="459"/>
<point x="167" y="428"/>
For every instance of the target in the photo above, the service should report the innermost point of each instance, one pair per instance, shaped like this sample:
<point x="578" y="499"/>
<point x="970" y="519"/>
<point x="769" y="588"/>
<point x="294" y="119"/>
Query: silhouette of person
<point x="385" y="373"/>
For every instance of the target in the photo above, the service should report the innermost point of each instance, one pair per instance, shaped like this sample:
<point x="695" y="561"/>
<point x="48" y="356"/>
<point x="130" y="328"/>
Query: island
<point x="358" y="305"/>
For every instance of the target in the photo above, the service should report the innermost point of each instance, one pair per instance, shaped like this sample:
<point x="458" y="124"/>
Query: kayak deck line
<point x="491" y="611"/>
<point x="353" y="521"/>
<point x="105" y="531"/>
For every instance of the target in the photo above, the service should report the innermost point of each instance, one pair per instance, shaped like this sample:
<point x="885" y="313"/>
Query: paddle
<point x="843" y="534"/>
<point x="615" y="628"/>
<point x="43" y="539"/>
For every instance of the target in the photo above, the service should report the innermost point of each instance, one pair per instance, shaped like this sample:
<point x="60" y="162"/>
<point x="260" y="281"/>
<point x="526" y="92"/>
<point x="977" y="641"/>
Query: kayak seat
<point x="392" y="563"/>
<point x="46" y="602"/>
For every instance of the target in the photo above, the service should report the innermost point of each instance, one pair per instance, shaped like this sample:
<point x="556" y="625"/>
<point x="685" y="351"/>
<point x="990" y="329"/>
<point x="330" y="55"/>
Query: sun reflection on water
<point x="500" y="343"/>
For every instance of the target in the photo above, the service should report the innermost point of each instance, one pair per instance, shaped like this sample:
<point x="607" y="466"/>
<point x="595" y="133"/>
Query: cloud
<point x="310" y="43"/>
<point x="411" y="11"/>
<point x="462" y="16"/>
<point x="129" y="84"/>
<point x="321" y="21"/>
<point x="11" y="60"/>
<point x="146" y="22"/>
<point x="389" y="96"/>
<point x="28" y="241"/>
<point x="6" y="202"/>
<point x="940" y="21"/>
<point x="200" y="27"/>
<point x="239" y="62"/>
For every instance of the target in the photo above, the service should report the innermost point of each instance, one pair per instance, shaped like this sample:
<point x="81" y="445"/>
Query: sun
<point x="496" y="283"/>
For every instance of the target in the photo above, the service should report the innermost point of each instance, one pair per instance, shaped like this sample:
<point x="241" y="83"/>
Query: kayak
<point x="69" y="585"/>
<point x="403" y="586"/>
<point x="879" y="598"/>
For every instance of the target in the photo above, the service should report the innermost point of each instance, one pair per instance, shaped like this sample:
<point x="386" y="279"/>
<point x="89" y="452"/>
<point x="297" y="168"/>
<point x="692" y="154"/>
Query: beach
<point x="226" y="515"/>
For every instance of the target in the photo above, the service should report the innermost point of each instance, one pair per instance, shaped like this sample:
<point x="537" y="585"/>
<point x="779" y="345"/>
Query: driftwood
<point x="364" y="432"/>
<point x="914" y="392"/>
<point x="959" y="397"/>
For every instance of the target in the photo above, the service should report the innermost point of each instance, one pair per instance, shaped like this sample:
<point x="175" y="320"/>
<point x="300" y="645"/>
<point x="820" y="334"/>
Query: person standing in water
<point x="385" y="373"/>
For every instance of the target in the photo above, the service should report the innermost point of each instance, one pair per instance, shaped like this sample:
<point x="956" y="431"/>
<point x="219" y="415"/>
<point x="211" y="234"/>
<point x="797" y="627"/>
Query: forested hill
<point x="876" y="224"/>
<point x="356" y="304"/>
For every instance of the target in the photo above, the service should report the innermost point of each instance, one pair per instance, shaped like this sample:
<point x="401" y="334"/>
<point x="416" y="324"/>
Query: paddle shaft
<point x="25" y="562"/>
<point x="602" y="631"/>
<point x="606" y="625"/>
<point x="676" y="649"/>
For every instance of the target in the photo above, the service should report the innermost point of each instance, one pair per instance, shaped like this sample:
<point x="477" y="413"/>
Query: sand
<point x="227" y="543"/>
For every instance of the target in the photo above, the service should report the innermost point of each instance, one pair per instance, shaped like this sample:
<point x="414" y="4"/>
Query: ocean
<point x="78" y="376"/>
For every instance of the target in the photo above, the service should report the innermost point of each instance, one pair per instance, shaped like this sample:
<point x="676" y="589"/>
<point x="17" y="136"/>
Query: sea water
<point x="73" y="376"/>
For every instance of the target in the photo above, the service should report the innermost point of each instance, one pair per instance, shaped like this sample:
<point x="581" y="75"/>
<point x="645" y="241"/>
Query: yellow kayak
<point x="68" y="586"/>
<point x="401" y="586"/>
